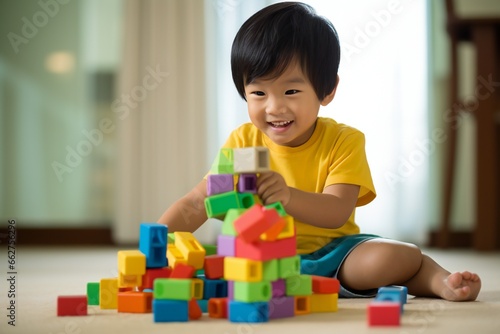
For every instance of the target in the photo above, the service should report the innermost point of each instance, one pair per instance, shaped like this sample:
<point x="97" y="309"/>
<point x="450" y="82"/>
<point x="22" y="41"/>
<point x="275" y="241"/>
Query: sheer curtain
<point x="382" y="92"/>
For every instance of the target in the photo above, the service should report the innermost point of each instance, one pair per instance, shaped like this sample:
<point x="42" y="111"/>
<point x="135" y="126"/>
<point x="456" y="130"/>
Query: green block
<point x="224" y="162"/>
<point x="228" y="224"/>
<point x="289" y="266"/>
<point x="218" y="205"/>
<point x="278" y="207"/>
<point x="210" y="249"/>
<point x="93" y="293"/>
<point x="300" y="285"/>
<point x="170" y="238"/>
<point x="251" y="292"/>
<point x="270" y="270"/>
<point x="173" y="288"/>
<point x="246" y="200"/>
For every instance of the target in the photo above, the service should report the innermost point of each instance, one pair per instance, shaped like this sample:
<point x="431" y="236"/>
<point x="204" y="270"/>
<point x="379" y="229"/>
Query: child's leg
<point x="381" y="262"/>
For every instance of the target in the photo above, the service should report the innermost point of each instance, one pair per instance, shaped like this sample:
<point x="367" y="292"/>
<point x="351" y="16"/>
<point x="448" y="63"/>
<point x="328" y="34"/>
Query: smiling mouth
<point x="282" y="124"/>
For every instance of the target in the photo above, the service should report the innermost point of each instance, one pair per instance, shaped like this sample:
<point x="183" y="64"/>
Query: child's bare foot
<point x="462" y="286"/>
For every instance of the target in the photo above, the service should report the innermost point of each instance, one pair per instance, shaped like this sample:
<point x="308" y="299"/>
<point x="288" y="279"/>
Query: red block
<point x="72" y="305"/>
<point x="214" y="266"/>
<point x="277" y="224"/>
<point x="194" y="310"/>
<point x="182" y="270"/>
<point x="384" y="314"/>
<point x="266" y="250"/>
<point x="217" y="307"/>
<point x="152" y="274"/>
<point x="252" y="223"/>
<point x="322" y="284"/>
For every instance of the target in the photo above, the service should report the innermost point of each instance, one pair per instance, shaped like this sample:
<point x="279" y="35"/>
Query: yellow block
<point x="197" y="288"/>
<point x="129" y="281"/>
<point x="287" y="232"/>
<point x="174" y="256"/>
<point x="108" y="293"/>
<point x="324" y="302"/>
<point x="243" y="270"/>
<point x="190" y="248"/>
<point x="131" y="262"/>
<point x="302" y="305"/>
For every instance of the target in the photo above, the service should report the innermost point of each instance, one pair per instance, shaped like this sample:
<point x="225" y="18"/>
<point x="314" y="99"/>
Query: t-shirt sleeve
<point x="349" y="165"/>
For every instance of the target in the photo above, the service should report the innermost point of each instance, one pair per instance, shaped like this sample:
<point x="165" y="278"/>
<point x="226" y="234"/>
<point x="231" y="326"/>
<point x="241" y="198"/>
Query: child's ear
<point x="330" y="96"/>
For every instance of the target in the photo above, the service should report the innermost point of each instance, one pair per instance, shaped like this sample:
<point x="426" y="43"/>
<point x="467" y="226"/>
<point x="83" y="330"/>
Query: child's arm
<point x="188" y="213"/>
<point x="330" y="209"/>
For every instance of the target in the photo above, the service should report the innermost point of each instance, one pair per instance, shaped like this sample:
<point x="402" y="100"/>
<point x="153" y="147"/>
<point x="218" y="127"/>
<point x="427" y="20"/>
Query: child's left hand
<point x="271" y="188"/>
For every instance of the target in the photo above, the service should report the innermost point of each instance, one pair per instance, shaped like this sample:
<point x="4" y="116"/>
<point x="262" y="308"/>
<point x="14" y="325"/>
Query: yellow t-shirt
<point x="335" y="153"/>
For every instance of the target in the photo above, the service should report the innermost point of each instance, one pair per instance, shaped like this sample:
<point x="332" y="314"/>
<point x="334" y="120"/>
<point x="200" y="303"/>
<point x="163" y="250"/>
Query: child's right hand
<point x="271" y="188"/>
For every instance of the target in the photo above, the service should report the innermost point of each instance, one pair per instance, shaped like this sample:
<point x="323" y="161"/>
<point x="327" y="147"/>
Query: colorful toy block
<point x="135" y="302"/>
<point x="190" y="248"/>
<point x="226" y="245"/>
<point x="228" y="223"/>
<point x="279" y="288"/>
<point x="270" y="270"/>
<point x="214" y="266"/>
<point x="383" y="314"/>
<point x="327" y="302"/>
<point x="108" y="293"/>
<point x="322" y="284"/>
<point x="281" y="307"/>
<point x="266" y="250"/>
<point x="299" y="285"/>
<point x="194" y="310"/>
<point x="154" y="273"/>
<point x="218" y="205"/>
<point x="224" y="162"/>
<point x="219" y="183"/>
<point x="252" y="291"/>
<point x="247" y="183"/>
<point x="252" y="223"/>
<point x="210" y="249"/>
<point x="214" y="288"/>
<point x="248" y="312"/>
<point x="278" y="224"/>
<point x="203" y="303"/>
<point x="71" y="305"/>
<point x="251" y="160"/>
<point x="288" y="266"/>
<point x="400" y="291"/>
<point x="278" y="207"/>
<point x="153" y="244"/>
<point x="170" y="310"/>
<point x="174" y="256"/>
<point x="217" y="308"/>
<point x="129" y="281"/>
<point x="93" y="293"/>
<point x="241" y="269"/>
<point x="173" y="288"/>
<point x="302" y="305"/>
<point x="182" y="270"/>
<point x="198" y="289"/>
<point x="131" y="262"/>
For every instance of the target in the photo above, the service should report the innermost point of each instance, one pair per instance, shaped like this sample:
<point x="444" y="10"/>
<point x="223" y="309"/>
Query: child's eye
<point x="291" y="92"/>
<point x="258" y="93"/>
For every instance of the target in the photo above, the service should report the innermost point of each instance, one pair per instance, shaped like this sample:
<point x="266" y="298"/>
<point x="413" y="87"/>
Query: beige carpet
<point x="45" y="273"/>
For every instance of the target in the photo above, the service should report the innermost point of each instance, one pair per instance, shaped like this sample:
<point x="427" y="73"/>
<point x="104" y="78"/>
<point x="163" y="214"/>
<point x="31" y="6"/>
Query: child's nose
<point x="275" y="106"/>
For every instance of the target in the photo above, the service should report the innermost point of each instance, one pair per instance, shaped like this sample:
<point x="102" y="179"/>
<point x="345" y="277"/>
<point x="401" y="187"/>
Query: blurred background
<point x="112" y="110"/>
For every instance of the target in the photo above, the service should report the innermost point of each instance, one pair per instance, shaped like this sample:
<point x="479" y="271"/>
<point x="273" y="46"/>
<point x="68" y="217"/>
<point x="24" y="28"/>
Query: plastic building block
<point x="266" y="250"/>
<point x="230" y="290"/>
<point x="400" y="291"/>
<point x="190" y="248"/>
<point x="279" y="288"/>
<point x="252" y="223"/>
<point x="194" y="310"/>
<point x="129" y="281"/>
<point x="219" y="183"/>
<point x="299" y="285"/>
<point x="226" y="245"/>
<point x="197" y="288"/>
<point x="278" y="224"/>
<point x="210" y="249"/>
<point x="217" y="308"/>
<point x="135" y="302"/>
<point x="218" y="205"/>
<point x="108" y="293"/>
<point x="246" y="200"/>
<point x="173" y="288"/>
<point x="241" y="269"/>
<point x="214" y="266"/>
<point x="289" y="266"/>
<point x="252" y="291"/>
<point x="270" y="270"/>
<point x="203" y="303"/>
<point x="247" y="183"/>
<point x="214" y="288"/>
<point x="281" y="307"/>
<point x="152" y="274"/>
<point x="131" y="262"/>
<point x="224" y="162"/>
<point x="302" y="305"/>
<point x="182" y="270"/>
<point x="324" y="302"/>
<point x="174" y="256"/>
<point x="248" y="312"/>
<point x="383" y="314"/>
<point x="93" y="293"/>
<point x="71" y="305"/>
<point x="251" y="159"/>
<point x="228" y="223"/>
<point x="278" y="207"/>
<point x="170" y="310"/>
<point x="288" y="230"/>
<point x="153" y="244"/>
<point x="322" y="284"/>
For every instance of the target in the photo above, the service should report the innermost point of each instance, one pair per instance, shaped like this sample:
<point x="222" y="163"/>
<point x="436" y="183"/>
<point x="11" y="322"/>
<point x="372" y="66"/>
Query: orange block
<point x="302" y="305"/>
<point x="135" y="302"/>
<point x="182" y="270"/>
<point x="252" y="223"/>
<point x="214" y="266"/>
<point x="217" y="308"/>
<point x="194" y="310"/>
<point x="322" y="284"/>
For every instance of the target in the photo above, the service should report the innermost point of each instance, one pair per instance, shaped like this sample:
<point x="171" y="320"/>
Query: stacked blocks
<point x="387" y="307"/>
<point x="258" y="245"/>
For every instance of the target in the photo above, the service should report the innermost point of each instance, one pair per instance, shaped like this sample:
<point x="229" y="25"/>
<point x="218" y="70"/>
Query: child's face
<point x="284" y="108"/>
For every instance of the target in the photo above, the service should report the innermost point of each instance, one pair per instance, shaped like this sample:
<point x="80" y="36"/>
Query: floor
<point x="44" y="273"/>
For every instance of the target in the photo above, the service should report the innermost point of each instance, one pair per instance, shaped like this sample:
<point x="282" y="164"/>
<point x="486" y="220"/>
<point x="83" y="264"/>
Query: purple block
<point x="226" y="245"/>
<point x="219" y="183"/>
<point x="279" y="287"/>
<point x="247" y="183"/>
<point x="282" y="307"/>
<point x="230" y="290"/>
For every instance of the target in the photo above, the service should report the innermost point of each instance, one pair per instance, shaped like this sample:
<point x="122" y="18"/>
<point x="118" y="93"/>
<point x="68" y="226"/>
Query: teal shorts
<point x="327" y="260"/>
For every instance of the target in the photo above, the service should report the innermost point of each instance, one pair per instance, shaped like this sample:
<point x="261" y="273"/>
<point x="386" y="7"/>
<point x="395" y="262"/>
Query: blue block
<point x="153" y="244"/>
<point x="214" y="288"/>
<point x="248" y="312"/>
<point x="203" y="304"/>
<point x="394" y="294"/>
<point x="170" y="310"/>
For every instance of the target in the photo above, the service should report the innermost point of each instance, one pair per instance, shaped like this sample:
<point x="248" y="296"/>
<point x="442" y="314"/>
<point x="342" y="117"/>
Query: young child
<point x="284" y="63"/>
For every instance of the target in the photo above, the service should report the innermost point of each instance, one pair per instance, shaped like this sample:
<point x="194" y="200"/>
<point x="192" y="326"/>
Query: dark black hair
<point x="274" y="36"/>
